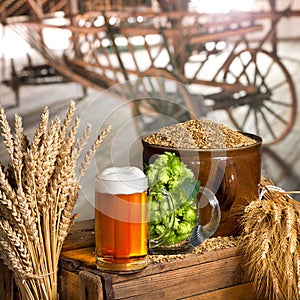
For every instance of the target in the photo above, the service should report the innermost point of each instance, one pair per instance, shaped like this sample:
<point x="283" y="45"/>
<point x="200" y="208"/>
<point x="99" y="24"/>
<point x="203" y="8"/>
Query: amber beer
<point x="121" y="220"/>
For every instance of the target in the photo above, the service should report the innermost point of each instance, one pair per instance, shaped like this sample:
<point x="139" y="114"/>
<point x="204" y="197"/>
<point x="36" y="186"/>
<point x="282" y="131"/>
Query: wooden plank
<point x="84" y="256"/>
<point x="187" y="261"/>
<point x="82" y="235"/>
<point x="138" y="31"/>
<point x="68" y="285"/>
<point x="201" y="38"/>
<point x="86" y="225"/>
<point x="238" y="292"/>
<point x="90" y="286"/>
<point x="183" y="281"/>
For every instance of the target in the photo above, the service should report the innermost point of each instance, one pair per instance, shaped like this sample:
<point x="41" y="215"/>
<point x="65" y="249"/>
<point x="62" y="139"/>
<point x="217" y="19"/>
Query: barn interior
<point x="235" y="62"/>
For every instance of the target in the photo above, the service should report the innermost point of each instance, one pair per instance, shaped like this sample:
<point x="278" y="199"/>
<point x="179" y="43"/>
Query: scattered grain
<point x="210" y="244"/>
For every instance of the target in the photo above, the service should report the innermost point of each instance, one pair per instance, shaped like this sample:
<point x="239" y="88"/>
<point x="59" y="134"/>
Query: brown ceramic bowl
<point x="233" y="174"/>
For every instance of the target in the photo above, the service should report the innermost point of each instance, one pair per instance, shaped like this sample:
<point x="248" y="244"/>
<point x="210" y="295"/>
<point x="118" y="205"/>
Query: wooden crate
<point x="218" y="274"/>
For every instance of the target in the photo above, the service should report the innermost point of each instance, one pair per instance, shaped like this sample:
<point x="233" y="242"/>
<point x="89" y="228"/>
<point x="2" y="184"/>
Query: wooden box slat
<point x="68" y="285"/>
<point x="219" y="274"/>
<point x="184" y="282"/>
<point x="238" y="292"/>
<point x="82" y="235"/>
<point x="90" y="286"/>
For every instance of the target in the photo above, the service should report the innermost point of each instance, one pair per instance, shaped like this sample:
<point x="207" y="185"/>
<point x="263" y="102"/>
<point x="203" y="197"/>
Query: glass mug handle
<point x="202" y="232"/>
<point x="155" y="242"/>
<point x="199" y="232"/>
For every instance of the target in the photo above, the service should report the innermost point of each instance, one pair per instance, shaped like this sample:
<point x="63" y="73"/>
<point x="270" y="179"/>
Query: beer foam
<point x="121" y="180"/>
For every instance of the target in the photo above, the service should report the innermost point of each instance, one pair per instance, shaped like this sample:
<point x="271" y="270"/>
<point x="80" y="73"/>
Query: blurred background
<point x="141" y="65"/>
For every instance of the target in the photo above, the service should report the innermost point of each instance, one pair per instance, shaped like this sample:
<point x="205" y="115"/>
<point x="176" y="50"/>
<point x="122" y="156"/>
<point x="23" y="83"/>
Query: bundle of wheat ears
<point x="38" y="191"/>
<point x="271" y="244"/>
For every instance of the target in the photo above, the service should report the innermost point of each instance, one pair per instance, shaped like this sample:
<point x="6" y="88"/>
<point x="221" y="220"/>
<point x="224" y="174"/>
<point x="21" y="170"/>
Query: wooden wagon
<point x="214" y="62"/>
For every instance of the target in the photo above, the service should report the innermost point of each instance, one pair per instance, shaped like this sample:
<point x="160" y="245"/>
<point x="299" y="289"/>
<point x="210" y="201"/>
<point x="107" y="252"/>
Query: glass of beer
<point x="121" y="231"/>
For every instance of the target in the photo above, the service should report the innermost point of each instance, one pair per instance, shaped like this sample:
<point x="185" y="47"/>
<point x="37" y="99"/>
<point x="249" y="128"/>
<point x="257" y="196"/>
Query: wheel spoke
<point x="245" y="69"/>
<point x="233" y="75"/>
<point x="277" y="116"/>
<point x="278" y="85"/>
<point x="268" y="70"/>
<point x="256" y="123"/>
<point x="246" y="116"/>
<point x="264" y="76"/>
<point x="267" y="124"/>
<point x="162" y="90"/>
<point x="280" y="103"/>
<point x="263" y="82"/>
<point x="152" y="91"/>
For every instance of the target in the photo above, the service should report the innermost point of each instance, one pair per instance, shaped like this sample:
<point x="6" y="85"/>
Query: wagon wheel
<point x="270" y="111"/>
<point x="161" y="100"/>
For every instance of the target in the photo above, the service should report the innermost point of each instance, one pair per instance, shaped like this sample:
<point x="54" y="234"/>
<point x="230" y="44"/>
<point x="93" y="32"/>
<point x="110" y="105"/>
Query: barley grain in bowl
<point x="226" y="161"/>
<point x="199" y="134"/>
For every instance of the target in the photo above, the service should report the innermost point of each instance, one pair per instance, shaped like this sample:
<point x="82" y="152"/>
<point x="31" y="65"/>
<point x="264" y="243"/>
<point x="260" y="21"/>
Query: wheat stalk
<point x="81" y="142"/>
<point x="273" y="250"/>
<point x="38" y="192"/>
<point x="6" y="133"/>
<point x="90" y="154"/>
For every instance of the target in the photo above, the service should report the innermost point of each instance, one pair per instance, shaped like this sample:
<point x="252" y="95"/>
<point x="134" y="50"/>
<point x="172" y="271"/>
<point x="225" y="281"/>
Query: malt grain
<point x="198" y="134"/>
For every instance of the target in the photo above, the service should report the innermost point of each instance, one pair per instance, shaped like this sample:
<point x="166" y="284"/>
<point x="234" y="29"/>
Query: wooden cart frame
<point x="246" y="79"/>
